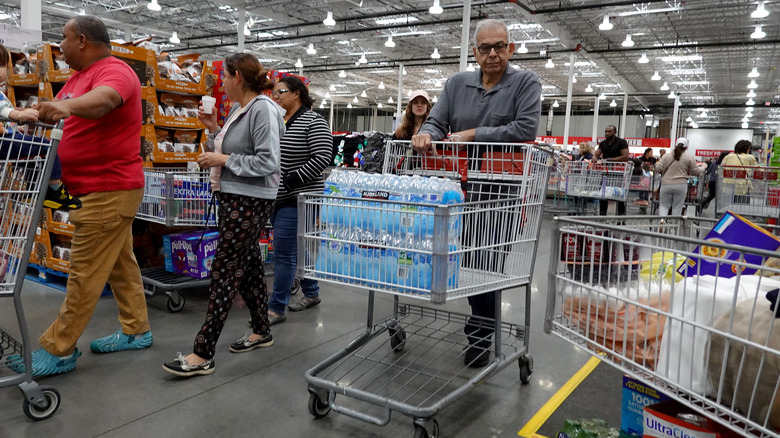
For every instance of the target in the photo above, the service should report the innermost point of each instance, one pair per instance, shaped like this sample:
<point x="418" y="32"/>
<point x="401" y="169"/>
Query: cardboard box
<point x="664" y="420"/>
<point x="637" y="395"/>
<point x="736" y="230"/>
<point x="183" y="254"/>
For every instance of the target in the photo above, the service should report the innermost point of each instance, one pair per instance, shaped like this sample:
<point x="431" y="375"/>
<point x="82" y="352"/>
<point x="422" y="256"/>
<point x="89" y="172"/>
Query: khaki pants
<point x="102" y="251"/>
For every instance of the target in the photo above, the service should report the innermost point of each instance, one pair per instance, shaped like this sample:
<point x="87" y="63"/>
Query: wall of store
<point x="716" y="139"/>
<point x="582" y="126"/>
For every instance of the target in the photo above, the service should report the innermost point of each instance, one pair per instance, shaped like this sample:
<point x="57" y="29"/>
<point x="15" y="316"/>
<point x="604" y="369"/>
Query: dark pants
<point x="621" y="207"/>
<point x="711" y="195"/>
<point x="237" y="267"/>
<point x="16" y="145"/>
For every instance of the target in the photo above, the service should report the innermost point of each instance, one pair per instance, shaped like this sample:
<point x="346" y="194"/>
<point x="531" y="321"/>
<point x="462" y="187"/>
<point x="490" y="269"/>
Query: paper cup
<point x="208" y="104"/>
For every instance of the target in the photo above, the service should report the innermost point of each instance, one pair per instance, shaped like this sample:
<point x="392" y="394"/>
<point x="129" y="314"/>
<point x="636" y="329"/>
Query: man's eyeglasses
<point x="486" y="48"/>
<point x="278" y="93"/>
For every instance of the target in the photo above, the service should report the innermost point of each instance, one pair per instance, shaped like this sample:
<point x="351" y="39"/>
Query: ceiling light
<point x="628" y="42"/>
<point x="750" y="102"/>
<point x="355" y="99"/>
<point x="329" y="21"/>
<point x="435" y="98"/>
<point x="588" y="89"/>
<point x="574" y="78"/>
<point x="703" y="114"/>
<point x="556" y="104"/>
<point x="437" y="84"/>
<point x="363" y="94"/>
<point x="664" y="87"/>
<point x="754" y="73"/>
<point x="390" y="100"/>
<point x="332" y="87"/>
<point x="436" y="8"/>
<point x="749" y="109"/>
<point x="689" y="119"/>
<point x="753" y="85"/>
<point x="363" y="59"/>
<point x="605" y="24"/>
<point x="656" y="77"/>
<point x="542" y="98"/>
<point x="751" y="93"/>
<point x="746" y="119"/>
<point x="549" y="63"/>
<point x="435" y="54"/>
<point x="404" y="71"/>
<point x="760" y="12"/>
<point x="174" y="38"/>
<point x="342" y="74"/>
<point x="154" y="6"/>
<point x="758" y="34"/>
<point x="247" y="32"/>
<point x="745" y="125"/>
<point x="470" y="68"/>
<point x="324" y="101"/>
<point x="671" y="95"/>
<point x="298" y="63"/>
<point x="602" y="96"/>
<point x="379" y="105"/>
<point x="322" y="104"/>
<point x="381" y="85"/>
<point x="523" y="48"/>
<point x="311" y="50"/>
<point x="643" y="59"/>
<point x="389" y="42"/>
<point x="349" y="106"/>
<point x="613" y="103"/>
<point x="327" y="95"/>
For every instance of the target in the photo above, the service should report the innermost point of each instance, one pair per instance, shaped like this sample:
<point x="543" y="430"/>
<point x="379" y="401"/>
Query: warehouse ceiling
<point x="702" y="50"/>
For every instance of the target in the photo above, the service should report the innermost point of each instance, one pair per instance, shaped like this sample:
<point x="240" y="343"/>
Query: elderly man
<point x="101" y="103"/>
<point x="494" y="104"/>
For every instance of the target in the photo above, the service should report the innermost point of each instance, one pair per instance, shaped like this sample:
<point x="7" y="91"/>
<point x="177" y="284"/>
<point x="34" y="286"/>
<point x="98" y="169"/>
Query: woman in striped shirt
<point x="306" y="149"/>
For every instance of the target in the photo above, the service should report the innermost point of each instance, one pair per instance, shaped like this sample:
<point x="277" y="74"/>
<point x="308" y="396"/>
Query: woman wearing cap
<point x="675" y="168"/>
<point x="416" y="112"/>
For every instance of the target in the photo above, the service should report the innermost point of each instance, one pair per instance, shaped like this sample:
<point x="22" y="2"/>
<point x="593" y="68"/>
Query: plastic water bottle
<point x="453" y="262"/>
<point x="425" y="264"/>
<point x="388" y="259"/>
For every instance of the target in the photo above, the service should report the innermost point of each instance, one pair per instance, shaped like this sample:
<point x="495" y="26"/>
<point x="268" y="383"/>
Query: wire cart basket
<point x="749" y="190"/>
<point x="605" y="180"/>
<point x="484" y="244"/>
<point x="27" y="157"/>
<point x="672" y="305"/>
<point x="175" y="197"/>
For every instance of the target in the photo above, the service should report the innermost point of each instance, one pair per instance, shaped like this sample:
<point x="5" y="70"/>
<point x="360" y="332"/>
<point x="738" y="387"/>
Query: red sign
<point x="709" y="152"/>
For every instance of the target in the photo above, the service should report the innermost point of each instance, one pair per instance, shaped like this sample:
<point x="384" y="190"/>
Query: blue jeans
<point x="285" y="223"/>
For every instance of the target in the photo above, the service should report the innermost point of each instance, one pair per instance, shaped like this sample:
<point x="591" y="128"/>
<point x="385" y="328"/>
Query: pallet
<point x="53" y="278"/>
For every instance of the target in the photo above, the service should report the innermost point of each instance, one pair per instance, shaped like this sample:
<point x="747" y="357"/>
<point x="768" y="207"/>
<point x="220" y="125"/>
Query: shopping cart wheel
<point x="420" y="431"/>
<point x="526" y="364"/>
<point x="397" y="338"/>
<point x="317" y="406"/>
<point x="175" y="304"/>
<point x="51" y="402"/>
<point x="295" y="287"/>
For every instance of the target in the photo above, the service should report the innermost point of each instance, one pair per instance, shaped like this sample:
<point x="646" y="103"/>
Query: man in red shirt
<point x="101" y="105"/>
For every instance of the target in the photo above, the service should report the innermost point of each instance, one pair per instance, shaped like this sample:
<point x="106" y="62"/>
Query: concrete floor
<point x="263" y="392"/>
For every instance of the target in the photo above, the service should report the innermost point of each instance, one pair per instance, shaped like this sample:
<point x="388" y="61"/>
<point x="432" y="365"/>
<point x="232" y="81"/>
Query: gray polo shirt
<point x="508" y="112"/>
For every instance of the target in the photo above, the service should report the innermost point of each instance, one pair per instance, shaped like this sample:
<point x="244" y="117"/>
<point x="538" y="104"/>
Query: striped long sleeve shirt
<point x="306" y="150"/>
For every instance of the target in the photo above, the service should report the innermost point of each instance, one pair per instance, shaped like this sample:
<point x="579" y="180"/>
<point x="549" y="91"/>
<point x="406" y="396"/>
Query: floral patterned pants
<point x="237" y="267"/>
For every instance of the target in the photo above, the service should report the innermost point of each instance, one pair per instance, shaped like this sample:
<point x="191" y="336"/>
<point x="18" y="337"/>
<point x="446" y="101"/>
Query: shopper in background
<point x="57" y="196"/>
<point x="642" y="165"/>
<point x="244" y="161"/>
<point x="416" y="112"/>
<point x="712" y="176"/>
<point x="612" y="148"/>
<point x="586" y="154"/>
<point x="101" y="165"/>
<point x="306" y="149"/>
<point x="741" y="157"/>
<point x="676" y="168"/>
<point x="493" y="104"/>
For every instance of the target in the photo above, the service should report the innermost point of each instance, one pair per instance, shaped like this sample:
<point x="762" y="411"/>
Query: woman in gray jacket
<point x="244" y="163"/>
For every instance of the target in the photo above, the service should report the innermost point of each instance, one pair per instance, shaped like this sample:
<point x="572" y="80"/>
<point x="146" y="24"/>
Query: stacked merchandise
<point x="380" y="229"/>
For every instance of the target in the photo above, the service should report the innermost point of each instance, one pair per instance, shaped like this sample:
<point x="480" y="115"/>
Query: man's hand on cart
<point x="53" y="111"/>
<point x="423" y="144"/>
<point x="210" y="120"/>
<point x="207" y="160"/>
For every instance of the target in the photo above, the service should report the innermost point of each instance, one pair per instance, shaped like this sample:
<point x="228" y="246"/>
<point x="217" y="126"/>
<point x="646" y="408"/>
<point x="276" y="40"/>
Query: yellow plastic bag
<point x="662" y="265"/>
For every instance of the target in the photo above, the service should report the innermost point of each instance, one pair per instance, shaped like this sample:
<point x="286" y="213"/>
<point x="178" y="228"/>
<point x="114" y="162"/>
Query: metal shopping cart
<point x="26" y="160"/>
<point x="683" y="313"/>
<point x="483" y="245"/>
<point x="749" y="190"/>
<point x="644" y="183"/>
<point x="605" y="180"/>
<point x="695" y="195"/>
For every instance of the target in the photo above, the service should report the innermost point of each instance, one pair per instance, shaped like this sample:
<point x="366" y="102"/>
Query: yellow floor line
<point x="529" y="430"/>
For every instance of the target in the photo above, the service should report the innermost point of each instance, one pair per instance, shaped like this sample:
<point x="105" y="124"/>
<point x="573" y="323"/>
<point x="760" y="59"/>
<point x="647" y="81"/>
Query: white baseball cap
<point x="418" y="93"/>
<point x="683" y="141"/>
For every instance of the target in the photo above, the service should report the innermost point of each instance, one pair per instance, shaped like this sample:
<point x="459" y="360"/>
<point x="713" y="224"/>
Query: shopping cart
<point x="486" y="244"/>
<point x="605" y="180"/>
<point x="639" y="293"/>
<point x="695" y="195"/>
<point x="26" y="160"/>
<point x="644" y="183"/>
<point x="749" y="190"/>
<point x="175" y="197"/>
